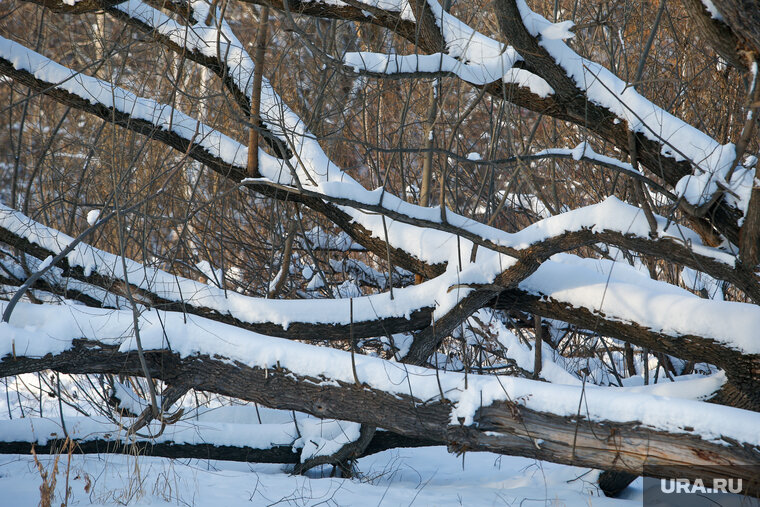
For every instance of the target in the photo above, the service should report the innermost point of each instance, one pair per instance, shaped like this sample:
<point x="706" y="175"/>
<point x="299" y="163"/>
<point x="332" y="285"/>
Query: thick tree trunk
<point x="502" y="427"/>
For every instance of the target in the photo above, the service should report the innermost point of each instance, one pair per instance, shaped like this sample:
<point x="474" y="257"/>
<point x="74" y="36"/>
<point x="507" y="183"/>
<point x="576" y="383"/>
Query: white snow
<point x="693" y="387"/>
<point x="558" y="31"/>
<point x="584" y="150"/>
<point x="97" y="91"/>
<point x="93" y="216"/>
<point x="45" y="263"/>
<point x="714" y="12"/>
<point x="612" y="214"/>
<point x="682" y="141"/>
<point x="623" y="294"/>
<point x="320" y="239"/>
<point x="534" y="83"/>
<point x="598" y="285"/>
<point x="482" y="72"/>
<point x="324" y="437"/>
<point x="424" y="477"/>
<point x="37" y="330"/>
<point x="465" y="43"/>
<point x="524" y="357"/>
<point x="214" y="275"/>
<point x="244" y="308"/>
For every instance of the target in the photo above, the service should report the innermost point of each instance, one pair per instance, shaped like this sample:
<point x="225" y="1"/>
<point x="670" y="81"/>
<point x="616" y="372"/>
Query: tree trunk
<point x="502" y="427"/>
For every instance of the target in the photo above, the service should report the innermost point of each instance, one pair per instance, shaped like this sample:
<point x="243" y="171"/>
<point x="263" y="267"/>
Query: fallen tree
<point x="160" y="321"/>
<point x="463" y="418"/>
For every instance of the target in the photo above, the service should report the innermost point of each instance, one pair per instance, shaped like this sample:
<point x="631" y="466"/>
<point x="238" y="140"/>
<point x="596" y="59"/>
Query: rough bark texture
<point x="749" y="246"/>
<point x="742" y="370"/>
<point x="715" y="32"/>
<point x="504" y="427"/>
<point x="614" y="483"/>
<point x="743" y="16"/>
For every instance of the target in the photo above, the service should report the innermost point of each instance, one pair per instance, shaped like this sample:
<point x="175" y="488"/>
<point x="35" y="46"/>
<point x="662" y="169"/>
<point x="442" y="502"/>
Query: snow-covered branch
<point x="322" y="319"/>
<point x="476" y="324"/>
<point x="499" y="414"/>
<point x="591" y="96"/>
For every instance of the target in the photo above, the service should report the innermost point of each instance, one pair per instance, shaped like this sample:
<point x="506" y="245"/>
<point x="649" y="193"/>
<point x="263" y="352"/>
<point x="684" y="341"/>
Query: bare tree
<point x="561" y="209"/>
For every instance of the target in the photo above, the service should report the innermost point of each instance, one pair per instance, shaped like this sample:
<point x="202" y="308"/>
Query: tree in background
<point x="460" y="224"/>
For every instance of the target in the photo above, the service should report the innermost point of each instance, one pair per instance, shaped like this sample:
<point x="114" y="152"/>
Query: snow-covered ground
<point x="421" y="477"/>
<point x="426" y="476"/>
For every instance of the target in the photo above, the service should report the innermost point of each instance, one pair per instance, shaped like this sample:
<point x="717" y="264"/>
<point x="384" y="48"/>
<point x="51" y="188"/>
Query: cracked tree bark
<point x="503" y="427"/>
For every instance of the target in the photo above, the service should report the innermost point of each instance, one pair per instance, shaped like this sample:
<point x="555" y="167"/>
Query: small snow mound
<point x="580" y="151"/>
<point x="474" y="156"/>
<point x="93" y="216"/>
<point x="213" y="274"/>
<point x="714" y="12"/>
<point x="558" y="31"/>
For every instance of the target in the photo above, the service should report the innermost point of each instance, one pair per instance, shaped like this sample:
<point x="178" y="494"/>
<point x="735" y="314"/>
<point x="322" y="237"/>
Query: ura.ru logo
<point x="719" y="485"/>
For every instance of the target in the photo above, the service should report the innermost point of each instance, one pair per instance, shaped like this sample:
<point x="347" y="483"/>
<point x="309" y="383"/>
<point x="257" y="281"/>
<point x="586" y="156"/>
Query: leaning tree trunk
<point x="501" y="427"/>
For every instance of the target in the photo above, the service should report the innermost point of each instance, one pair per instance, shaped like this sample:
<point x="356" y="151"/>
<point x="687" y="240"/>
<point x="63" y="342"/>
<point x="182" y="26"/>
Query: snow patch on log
<point x="38" y="330"/>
